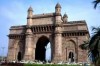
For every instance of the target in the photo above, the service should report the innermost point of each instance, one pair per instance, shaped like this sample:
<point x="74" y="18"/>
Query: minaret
<point x="29" y="19"/>
<point x="29" y="16"/>
<point x="58" y="13"/>
<point x="65" y="18"/>
<point x="58" y="8"/>
<point x="57" y="57"/>
<point x="29" y="37"/>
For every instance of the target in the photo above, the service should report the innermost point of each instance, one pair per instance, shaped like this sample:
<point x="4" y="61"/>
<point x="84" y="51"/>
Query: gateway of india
<point x="28" y="42"/>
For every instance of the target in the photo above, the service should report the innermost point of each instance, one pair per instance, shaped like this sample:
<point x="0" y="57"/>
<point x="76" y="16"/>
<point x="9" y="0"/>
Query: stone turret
<point x="29" y="16"/>
<point x="57" y="8"/>
<point x="29" y="20"/>
<point x="30" y="12"/>
<point x="58" y="17"/>
<point x="58" y="36"/>
<point x="29" y="37"/>
<point x="65" y="18"/>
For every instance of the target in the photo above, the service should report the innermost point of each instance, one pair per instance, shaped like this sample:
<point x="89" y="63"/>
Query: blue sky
<point x="14" y="12"/>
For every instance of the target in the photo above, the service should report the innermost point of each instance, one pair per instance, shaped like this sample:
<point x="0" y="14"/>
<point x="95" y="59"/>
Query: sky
<point x="14" y="12"/>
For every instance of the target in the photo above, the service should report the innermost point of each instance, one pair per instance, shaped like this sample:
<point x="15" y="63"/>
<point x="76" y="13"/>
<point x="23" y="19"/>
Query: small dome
<point x="65" y="15"/>
<point x="30" y="9"/>
<point x="58" y="5"/>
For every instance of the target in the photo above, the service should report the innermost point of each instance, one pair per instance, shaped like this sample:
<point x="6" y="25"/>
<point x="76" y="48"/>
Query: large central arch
<point x="40" y="51"/>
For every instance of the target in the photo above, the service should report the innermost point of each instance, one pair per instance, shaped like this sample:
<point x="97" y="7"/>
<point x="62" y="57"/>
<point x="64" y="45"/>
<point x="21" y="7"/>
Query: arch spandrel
<point x="38" y="36"/>
<point x="70" y="45"/>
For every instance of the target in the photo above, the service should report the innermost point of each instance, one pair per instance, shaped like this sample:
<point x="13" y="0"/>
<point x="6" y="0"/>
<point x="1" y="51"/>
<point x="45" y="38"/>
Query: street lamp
<point x="2" y="52"/>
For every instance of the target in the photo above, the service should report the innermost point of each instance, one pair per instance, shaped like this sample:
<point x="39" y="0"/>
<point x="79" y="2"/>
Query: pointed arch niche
<point x="70" y="52"/>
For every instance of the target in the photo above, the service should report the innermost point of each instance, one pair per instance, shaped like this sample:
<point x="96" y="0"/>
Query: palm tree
<point x="94" y="45"/>
<point x="96" y="2"/>
<point x="85" y="45"/>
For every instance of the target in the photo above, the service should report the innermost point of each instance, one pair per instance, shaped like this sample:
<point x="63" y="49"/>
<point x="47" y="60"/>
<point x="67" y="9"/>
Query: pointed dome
<point x="65" y="15"/>
<point x="30" y="9"/>
<point x="58" y="5"/>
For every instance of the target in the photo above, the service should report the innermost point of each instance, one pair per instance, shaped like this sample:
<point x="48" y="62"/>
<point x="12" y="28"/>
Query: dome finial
<point x="65" y="15"/>
<point x="58" y="5"/>
<point x="65" y="18"/>
<point x="30" y="9"/>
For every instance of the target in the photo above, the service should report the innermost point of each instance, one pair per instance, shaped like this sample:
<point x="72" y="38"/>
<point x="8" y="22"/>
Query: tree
<point x="94" y="45"/>
<point x="96" y="2"/>
<point x="85" y="45"/>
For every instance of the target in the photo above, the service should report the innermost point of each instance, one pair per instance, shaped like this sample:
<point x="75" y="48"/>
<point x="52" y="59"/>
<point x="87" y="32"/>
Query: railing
<point x="44" y="28"/>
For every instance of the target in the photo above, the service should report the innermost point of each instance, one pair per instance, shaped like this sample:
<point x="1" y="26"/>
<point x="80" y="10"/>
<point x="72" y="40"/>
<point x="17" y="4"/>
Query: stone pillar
<point x="11" y="56"/>
<point x="29" y="47"/>
<point x="57" y="56"/>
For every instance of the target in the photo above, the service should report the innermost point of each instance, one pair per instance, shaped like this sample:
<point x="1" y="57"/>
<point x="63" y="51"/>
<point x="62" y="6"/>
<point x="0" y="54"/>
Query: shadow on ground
<point x="12" y="64"/>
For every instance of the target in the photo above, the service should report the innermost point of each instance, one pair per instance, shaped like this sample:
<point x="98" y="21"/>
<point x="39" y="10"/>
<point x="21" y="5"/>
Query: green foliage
<point x="93" y="45"/>
<point x="96" y="2"/>
<point x="49" y="65"/>
<point x="98" y="62"/>
<point x="85" y="45"/>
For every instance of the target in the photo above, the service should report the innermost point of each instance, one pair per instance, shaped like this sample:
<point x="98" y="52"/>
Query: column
<point x="57" y="57"/>
<point x="29" y="47"/>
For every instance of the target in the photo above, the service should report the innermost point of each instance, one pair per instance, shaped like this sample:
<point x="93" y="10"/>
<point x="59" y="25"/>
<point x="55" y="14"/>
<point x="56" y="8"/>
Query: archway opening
<point x="71" y="57"/>
<point x="48" y="52"/>
<point x="19" y="56"/>
<point x="41" y="47"/>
